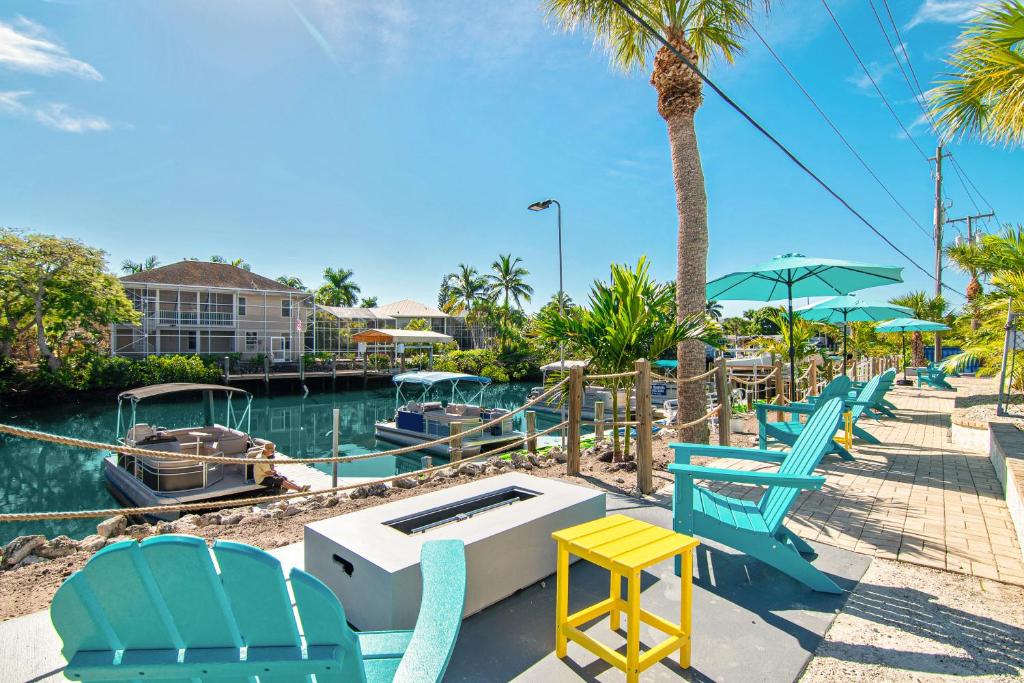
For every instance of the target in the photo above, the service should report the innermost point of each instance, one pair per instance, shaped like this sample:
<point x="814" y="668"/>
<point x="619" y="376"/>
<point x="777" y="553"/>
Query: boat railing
<point x="166" y="475"/>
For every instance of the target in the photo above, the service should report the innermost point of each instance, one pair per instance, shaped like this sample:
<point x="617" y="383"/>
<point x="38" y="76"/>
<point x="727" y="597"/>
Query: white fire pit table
<point x="370" y="558"/>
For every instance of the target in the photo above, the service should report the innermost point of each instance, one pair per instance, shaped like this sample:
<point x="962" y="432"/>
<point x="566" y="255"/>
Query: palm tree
<point x="985" y="94"/>
<point x="713" y="309"/>
<point x="131" y="267"/>
<point x="699" y="30"/>
<point x="237" y="263"/>
<point x="627" y="319"/>
<point x="368" y="302"/>
<point x="924" y="307"/>
<point x="291" y="281"/>
<point x="339" y="289"/>
<point x="466" y="289"/>
<point x="508" y="279"/>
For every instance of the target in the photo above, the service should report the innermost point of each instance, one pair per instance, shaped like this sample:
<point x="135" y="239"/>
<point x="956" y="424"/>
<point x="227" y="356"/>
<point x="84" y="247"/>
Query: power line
<point x="761" y="129"/>
<point x="903" y="48"/>
<point x="899" y="63"/>
<point x="872" y="79"/>
<point x="960" y="177"/>
<point x="836" y="130"/>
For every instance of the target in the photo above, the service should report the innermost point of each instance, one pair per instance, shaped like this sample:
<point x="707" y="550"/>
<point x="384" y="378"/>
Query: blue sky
<point x="402" y="137"/>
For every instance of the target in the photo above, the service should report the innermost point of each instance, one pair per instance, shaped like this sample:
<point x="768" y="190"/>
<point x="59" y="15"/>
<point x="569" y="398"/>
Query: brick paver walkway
<point x="915" y="498"/>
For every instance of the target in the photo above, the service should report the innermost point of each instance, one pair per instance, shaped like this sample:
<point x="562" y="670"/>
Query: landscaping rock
<point x="291" y="512"/>
<point x="91" y="544"/>
<point x="332" y="501"/>
<point x="191" y="520"/>
<point x="114" y="526"/>
<point x="405" y="483"/>
<point x="31" y="559"/>
<point x="165" y="527"/>
<point x="255" y="519"/>
<point x="605" y="456"/>
<point x="558" y="454"/>
<point x="20" y="548"/>
<point x="119" y="539"/>
<point x="211" y="519"/>
<point x="370" y="490"/>
<point x="471" y="469"/>
<point x="61" y="546"/>
<point x="139" y="531"/>
<point x="231" y="519"/>
<point x="534" y="460"/>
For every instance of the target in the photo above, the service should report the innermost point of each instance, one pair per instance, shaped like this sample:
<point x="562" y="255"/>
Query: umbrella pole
<point x="792" y="349"/>
<point x="903" y="354"/>
<point x="844" y="342"/>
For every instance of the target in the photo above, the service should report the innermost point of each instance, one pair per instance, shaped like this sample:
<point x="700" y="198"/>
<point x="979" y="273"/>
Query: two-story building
<point x="212" y="308"/>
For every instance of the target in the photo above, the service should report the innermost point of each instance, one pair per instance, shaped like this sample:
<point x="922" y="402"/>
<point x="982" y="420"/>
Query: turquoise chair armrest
<point x="795" y="408"/>
<point x="692" y="472"/>
<point x="443" y="568"/>
<point x="686" y="450"/>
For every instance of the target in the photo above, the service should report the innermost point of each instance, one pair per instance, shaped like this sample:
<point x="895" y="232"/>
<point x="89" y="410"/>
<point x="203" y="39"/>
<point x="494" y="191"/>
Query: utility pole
<point x="940" y="211"/>
<point x="972" y="288"/>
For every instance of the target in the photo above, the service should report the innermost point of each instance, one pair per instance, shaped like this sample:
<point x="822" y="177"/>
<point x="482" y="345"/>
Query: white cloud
<point x="944" y="12"/>
<point x="920" y="123"/>
<point x="877" y="71"/>
<point x="56" y="115"/>
<point x="27" y="46"/>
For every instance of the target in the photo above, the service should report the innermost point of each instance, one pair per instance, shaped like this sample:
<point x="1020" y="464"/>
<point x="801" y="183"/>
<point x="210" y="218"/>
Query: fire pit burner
<point x="460" y="510"/>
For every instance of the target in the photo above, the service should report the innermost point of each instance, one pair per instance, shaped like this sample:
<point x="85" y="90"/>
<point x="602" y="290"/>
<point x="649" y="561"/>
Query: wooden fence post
<point x="644" y="449"/>
<point x="335" y="427"/>
<point x="778" y="388"/>
<point x="572" y="464"/>
<point x="599" y="420"/>
<point x="812" y="379"/>
<point x="724" y="400"/>
<point x="455" y="445"/>
<point x="531" y="431"/>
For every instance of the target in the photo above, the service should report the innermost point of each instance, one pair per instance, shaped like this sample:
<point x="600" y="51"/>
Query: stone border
<point x="1007" y="455"/>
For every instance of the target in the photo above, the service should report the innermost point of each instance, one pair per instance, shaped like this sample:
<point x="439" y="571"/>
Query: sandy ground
<point x="910" y="623"/>
<point x="976" y="403"/>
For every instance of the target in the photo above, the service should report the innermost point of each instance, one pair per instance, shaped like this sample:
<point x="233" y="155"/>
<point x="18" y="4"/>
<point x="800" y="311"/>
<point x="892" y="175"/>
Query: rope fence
<point x="257" y="500"/>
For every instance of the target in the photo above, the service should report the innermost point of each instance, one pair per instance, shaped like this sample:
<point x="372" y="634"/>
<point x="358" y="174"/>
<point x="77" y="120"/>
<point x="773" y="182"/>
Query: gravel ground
<point x="910" y="623"/>
<point x="976" y="403"/>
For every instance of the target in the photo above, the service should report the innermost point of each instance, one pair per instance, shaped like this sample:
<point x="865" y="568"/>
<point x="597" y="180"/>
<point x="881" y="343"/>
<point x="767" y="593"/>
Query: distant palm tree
<point x="131" y="267"/>
<point x="339" y="289"/>
<point x="985" y="94"/>
<point x="237" y="263"/>
<point x="924" y="307"/>
<point x="291" y="281"/>
<point x="713" y="309"/>
<point x="699" y="30"/>
<point x="368" y="302"/>
<point x="509" y="279"/>
<point x="465" y="289"/>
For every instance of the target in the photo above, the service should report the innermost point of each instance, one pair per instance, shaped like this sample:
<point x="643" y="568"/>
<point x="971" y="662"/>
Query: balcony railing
<point x="214" y="318"/>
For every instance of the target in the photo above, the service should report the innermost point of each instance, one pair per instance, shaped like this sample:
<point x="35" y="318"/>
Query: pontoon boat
<point x="421" y="416"/>
<point x="555" y="406"/>
<point x="144" y="481"/>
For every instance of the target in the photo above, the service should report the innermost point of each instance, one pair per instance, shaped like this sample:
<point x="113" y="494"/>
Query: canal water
<point x="38" y="476"/>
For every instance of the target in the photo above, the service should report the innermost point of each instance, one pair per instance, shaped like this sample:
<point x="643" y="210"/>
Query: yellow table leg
<point x="686" y="607"/>
<point x="561" y="599"/>
<point x="633" y="628"/>
<point x="615" y="592"/>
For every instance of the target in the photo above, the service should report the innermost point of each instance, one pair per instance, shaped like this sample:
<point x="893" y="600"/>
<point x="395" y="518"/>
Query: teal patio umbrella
<point x="904" y="325"/>
<point x="841" y="310"/>
<point x="796" y="275"/>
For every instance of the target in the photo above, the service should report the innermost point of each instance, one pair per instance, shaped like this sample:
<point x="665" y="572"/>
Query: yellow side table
<point x="625" y="547"/>
<point x="846" y="439"/>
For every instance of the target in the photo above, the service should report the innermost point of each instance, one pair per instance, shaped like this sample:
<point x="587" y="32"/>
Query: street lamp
<point x="540" y="206"/>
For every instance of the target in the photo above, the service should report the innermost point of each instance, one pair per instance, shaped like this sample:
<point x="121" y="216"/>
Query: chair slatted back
<point x="166" y="594"/>
<point x="839" y="387"/>
<point x="867" y="397"/>
<point x="808" y="450"/>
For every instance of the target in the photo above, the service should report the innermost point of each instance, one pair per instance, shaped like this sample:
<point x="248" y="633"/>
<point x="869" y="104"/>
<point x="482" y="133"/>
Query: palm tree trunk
<point x="627" y="428"/>
<point x="691" y="272"/>
<point x="917" y="349"/>
<point x="616" y="449"/>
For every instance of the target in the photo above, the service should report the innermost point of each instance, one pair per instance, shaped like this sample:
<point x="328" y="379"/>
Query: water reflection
<point x="41" y="476"/>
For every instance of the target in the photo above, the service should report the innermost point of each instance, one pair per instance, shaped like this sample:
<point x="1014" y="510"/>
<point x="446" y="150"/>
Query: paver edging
<point x="1006" y="452"/>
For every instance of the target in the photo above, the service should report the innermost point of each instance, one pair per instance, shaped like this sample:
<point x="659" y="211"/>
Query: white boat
<point x="421" y="417"/>
<point x="149" y="481"/>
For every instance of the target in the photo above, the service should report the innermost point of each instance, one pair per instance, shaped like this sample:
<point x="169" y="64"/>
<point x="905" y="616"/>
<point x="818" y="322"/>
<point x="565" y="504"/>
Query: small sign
<point x="361" y="347"/>
<point x="399" y="348"/>
<point x="659" y="389"/>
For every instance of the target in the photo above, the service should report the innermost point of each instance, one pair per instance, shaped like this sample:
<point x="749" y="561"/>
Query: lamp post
<point x="540" y="206"/>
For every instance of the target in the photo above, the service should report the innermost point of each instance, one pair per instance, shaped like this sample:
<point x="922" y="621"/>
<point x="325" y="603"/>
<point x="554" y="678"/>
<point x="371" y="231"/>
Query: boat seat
<point x="230" y="441"/>
<point x="457" y="409"/>
<point x="412" y="407"/>
<point x="431" y="406"/>
<point x="140" y="432"/>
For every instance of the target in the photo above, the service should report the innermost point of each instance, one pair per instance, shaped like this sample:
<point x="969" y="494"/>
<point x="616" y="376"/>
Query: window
<point x="286" y="343"/>
<point x="251" y="341"/>
<point x="286" y="308"/>
<point x="241" y="305"/>
<point x="190" y="341"/>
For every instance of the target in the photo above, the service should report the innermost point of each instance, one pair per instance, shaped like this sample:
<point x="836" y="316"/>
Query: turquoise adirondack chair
<point x="874" y="404"/>
<point x="787" y="431"/>
<point x="934" y="376"/>
<point x="134" y="606"/>
<point x="757" y="529"/>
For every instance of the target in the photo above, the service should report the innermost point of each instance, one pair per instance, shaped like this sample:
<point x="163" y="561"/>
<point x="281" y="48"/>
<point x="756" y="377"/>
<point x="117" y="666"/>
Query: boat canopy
<point x="141" y="393"/>
<point x="557" y="365"/>
<point x="432" y="378"/>
<point x="666" y="363"/>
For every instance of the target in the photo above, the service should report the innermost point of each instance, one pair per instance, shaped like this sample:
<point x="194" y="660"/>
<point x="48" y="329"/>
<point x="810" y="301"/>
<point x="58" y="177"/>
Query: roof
<point x="431" y="378"/>
<point x="401" y="337"/>
<point x="353" y="313"/>
<point x="174" y="388"/>
<point x="207" y="274"/>
<point x="407" y="308"/>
